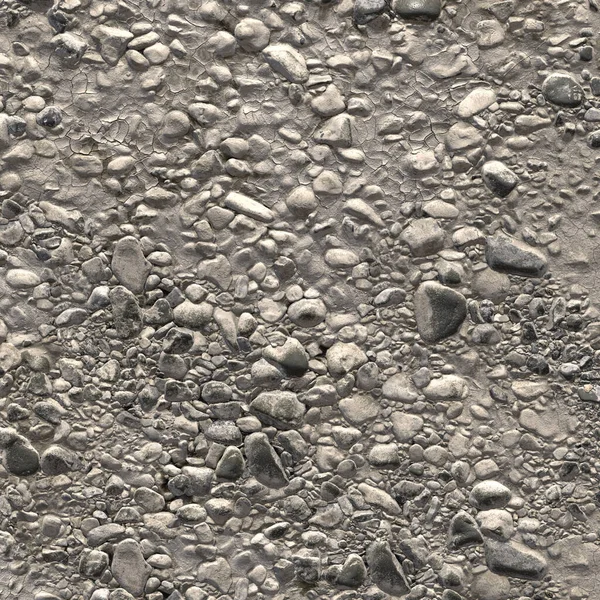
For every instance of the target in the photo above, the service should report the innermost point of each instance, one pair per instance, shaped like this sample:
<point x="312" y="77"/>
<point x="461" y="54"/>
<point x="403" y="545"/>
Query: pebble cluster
<point x="299" y="300"/>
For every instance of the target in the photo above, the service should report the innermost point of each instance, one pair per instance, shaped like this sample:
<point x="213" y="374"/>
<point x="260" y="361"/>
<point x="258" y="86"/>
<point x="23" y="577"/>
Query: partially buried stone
<point x="279" y="409"/>
<point x="513" y="559"/>
<point x="424" y="237"/>
<point x="50" y="117"/>
<point x="561" y="89"/>
<point x="426" y="10"/>
<point x="367" y="10"/>
<point x="507" y="255"/>
<point x="498" y="178"/>
<point x="385" y="570"/>
<point x="439" y="311"/>
<point x="21" y="459"/>
<point x="263" y="461"/>
<point x="307" y="312"/>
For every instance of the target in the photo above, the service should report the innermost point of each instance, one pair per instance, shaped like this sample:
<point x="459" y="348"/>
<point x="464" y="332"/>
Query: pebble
<point x="499" y="178"/>
<point x="279" y="409"/>
<point x="489" y="495"/>
<point x="263" y="461"/>
<point x="427" y="10"/>
<point x="287" y="62"/>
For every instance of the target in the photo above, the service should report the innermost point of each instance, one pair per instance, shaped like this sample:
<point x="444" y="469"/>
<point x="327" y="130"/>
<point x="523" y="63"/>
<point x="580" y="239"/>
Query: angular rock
<point x="287" y="61"/>
<point x="424" y="237"/>
<point x="278" y="409"/>
<point x="385" y="570"/>
<point x="335" y="132"/>
<point x="507" y="255"/>
<point x="463" y="531"/>
<point x="561" y="89"/>
<point x="513" y="559"/>
<point x="129" y="567"/>
<point x="353" y="572"/>
<point x="112" y="42"/>
<point x="231" y="464"/>
<point x="439" y="311"/>
<point x="263" y="462"/>
<point x="499" y="179"/>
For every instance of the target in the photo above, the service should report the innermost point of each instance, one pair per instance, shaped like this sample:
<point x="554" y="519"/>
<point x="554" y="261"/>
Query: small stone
<point x="498" y="178"/>
<point x="439" y="311"/>
<point x="57" y="460"/>
<point x="475" y="102"/>
<point x="301" y="201"/>
<point x="359" y="409"/>
<point x="50" y="116"/>
<point x="353" y="572"/>
<point x="231" y="464"/>
<point x="367" y="10"/>
<point x="489" y="495"/>
<point x="291" y="357"/>
<point x="561" y="89"/>
<point x="344" y="357"/>
<point x="329" y="103"/>
<point x="307" y="312"/>
<point x="507" y="255"/>
<point x="424" y="10"/>
<point x="247" y="206"/>
<point x="194" y="316"/>
<point x="112" y="42"/>
<point x="126" y="311"/>
<point x="424" y="237"/>
<point x="287" y="62"/>
<point x="335" y="132"/>
<point x="21" y="279"/>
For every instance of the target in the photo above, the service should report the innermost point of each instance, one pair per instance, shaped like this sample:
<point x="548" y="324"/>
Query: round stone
<point x="21" y="459"/>
<point x="561" y="89"/>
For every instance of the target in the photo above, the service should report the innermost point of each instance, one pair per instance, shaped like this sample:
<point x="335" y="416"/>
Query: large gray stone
<point x="439" y="311"/>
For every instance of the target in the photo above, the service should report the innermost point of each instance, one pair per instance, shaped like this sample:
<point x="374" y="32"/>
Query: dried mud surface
<point x="299" y="299"/>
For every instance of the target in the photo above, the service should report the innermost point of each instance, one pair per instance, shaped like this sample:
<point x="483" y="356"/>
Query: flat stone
<point x="129" y="265"/>
<point x="247" y="206"/>
<point x="359" y="409"/>
<point x="513" y="559"/>
<point x="475" y="102"/>
<point x="439" y="311"/>
<point x="508" y="255"/>
<point x="129" y="567"/>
